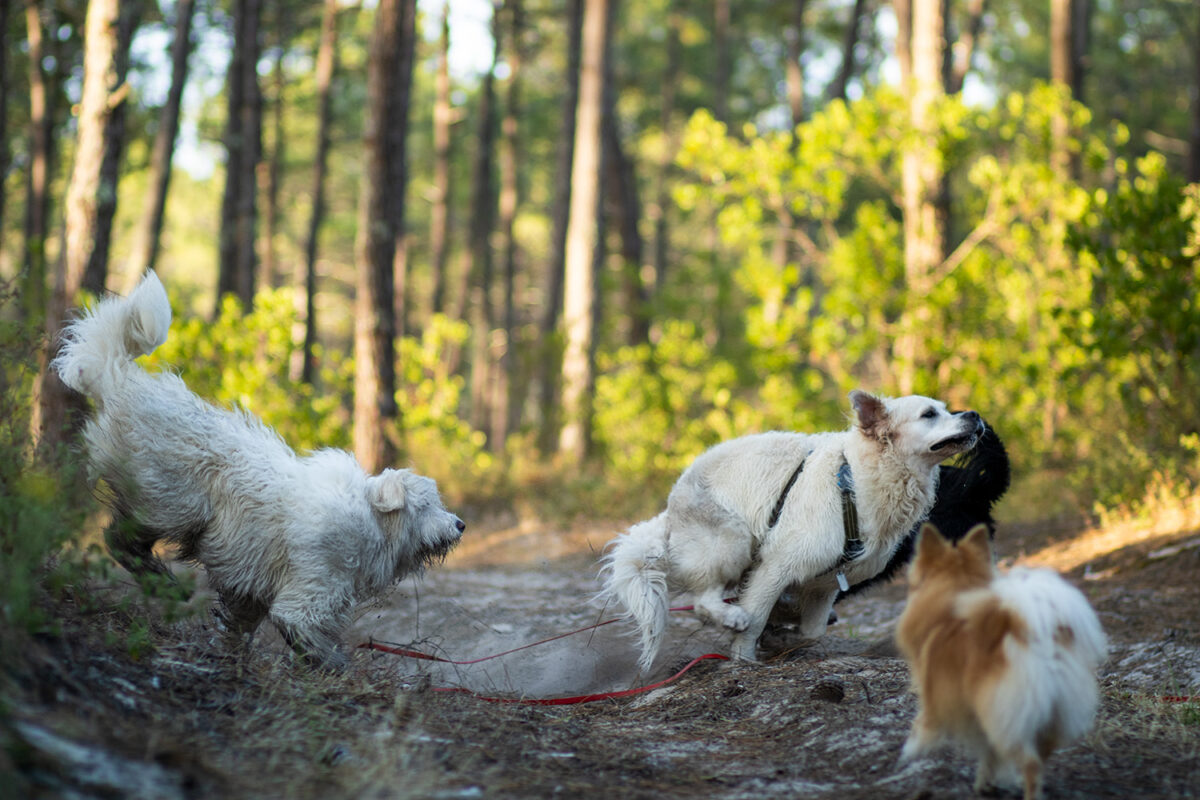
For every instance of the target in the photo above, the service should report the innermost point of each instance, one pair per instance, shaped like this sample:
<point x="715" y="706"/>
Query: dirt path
<point x="826" y="720"/>
<point x="105" y="708"/>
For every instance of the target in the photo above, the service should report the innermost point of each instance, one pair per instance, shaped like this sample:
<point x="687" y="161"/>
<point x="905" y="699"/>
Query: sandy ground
<point x="90" y="716"/>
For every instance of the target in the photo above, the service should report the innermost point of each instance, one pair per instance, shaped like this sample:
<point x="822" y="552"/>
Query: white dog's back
<point x="1051" y="684"/>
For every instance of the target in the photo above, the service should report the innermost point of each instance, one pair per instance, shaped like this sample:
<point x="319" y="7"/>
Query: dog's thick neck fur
<point x="900" y="495"/>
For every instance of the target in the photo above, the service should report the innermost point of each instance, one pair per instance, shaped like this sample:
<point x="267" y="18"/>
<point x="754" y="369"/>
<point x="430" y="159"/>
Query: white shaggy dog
<point x="296" y="540"/>
<point x="765" y="512"/>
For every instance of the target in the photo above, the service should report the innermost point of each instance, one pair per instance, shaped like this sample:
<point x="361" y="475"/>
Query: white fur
<point x="715" y="534"/>
<point x="1049" y="685"/>
<point x="297" y="539"/>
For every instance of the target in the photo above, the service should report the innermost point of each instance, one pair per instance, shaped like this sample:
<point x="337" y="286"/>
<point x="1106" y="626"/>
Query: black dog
<point x="968" y="488"/>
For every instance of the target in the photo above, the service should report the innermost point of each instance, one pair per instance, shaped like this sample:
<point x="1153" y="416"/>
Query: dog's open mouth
<point x="964" y="441"/>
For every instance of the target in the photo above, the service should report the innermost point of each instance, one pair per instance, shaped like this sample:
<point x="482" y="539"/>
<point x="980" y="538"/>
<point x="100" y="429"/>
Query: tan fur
<point x="960" y="636"/>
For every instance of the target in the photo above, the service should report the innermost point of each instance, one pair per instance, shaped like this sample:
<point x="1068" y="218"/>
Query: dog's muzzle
<point x="967" y="439"/>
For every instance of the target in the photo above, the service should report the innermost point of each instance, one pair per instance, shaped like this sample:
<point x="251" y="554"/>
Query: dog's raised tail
<point x="99" y="344"/>
<point x="636" y="576"/>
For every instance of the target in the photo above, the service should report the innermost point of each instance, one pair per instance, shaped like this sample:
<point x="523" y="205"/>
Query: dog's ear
<point x="978" y="542"/>
<point x="385" y="491"/>
<point x="870" y="412"/>
<point x="930" y="542"/>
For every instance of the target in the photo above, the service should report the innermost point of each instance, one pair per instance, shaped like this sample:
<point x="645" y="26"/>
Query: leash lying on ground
<point x="395" y="650"/>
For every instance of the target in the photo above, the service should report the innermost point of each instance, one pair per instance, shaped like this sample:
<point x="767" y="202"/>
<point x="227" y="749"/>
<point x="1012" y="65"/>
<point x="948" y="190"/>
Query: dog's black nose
<point x="462" y="526"/>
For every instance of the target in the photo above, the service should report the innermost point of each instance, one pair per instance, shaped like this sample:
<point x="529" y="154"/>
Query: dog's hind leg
<point x="132" y="545"/>
<point x="239" y="616"/>
<point x="312" y="632"/>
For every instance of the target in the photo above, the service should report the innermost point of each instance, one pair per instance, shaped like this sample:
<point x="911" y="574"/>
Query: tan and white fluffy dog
<point x="1002" y="663"/>
<point x="745" y="513"/>
<point x="298" y="540"/>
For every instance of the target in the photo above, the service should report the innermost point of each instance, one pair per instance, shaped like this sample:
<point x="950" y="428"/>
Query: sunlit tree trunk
<point x="375" y="407"/>
<point x="304" y="334"/>
<point x="149" y="226"/>
<point x="667" y="90"/>
<point x="579" y="294"/>
<point x="480" y="265"/>
<point x="95" y="103"/>
<point x="439" y="213"/>
<point x="271" y="169"/>
<point x="398" y="180"/>
<point x="243" y="147"/>
<point x="95" y="275"/>
<point x="1062" y="73"/>
<point x="555" y="271"/>
<point x="624" y="205"/>
<point x="41" y="151"/>
<point x="502" y="401"/>
<point x="924" y="228"/>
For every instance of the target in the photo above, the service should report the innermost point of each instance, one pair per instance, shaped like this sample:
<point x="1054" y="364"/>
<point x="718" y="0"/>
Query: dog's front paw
<point x="736" y="618"/>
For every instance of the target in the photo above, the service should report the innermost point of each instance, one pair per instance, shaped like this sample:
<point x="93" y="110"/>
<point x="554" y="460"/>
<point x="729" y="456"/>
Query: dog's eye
<point x="929" y="414"/>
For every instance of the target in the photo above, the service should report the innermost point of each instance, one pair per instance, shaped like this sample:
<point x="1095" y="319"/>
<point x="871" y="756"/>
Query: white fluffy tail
<point x="636" y="576"/>
<point x="106" y="338"/>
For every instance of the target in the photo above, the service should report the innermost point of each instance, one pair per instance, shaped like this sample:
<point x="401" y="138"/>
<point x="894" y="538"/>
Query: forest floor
<point x="84" y="718"/>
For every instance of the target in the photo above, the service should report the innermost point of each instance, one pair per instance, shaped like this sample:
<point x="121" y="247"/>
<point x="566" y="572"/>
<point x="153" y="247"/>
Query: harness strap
<point x="778" y="509"/>
<point x="854" y="544"/>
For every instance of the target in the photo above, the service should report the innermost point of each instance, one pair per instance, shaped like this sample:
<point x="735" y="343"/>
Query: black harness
<point x="853" y="546"/>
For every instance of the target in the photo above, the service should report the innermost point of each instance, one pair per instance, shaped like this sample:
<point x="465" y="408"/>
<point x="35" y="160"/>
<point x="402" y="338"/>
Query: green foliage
<point x="41" y="506"/>
<point x="242" y="359"/>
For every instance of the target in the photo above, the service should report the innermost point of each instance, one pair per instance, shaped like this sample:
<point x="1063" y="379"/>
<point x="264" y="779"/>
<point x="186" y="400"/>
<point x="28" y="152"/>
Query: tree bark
<point x="667" y="92"/>
<point x="149" y="226"/>
<point x="304" y="334"/>
<point x="552" y="309"/>
<point x="41" y="154"/>
<point x="375" y="407"/>
<point x="243" y="146"/>
<point x="837" y="90"/>
<point x="270" y="169"/>
<point x="721" y="21"/>
<point x="1193" y="162"/>
<point x="480" y="266"/>
<point x="5" y="155"/>
<point x="924" y="227"/>
<point x="502" y="405"/>
<point x="95" y="276"/>
<point x="439" y="215"/>
<point x="579" y="296"/>
<point x="964" y="48"/>
<point x="55" y="419"/>
<point x="398" y="180"/>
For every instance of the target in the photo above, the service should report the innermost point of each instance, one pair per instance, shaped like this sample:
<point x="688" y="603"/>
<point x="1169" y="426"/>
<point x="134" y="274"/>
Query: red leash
<point x="549" y="701"/>
<point x="582" y="698"/>
<point x="371" y="644"/>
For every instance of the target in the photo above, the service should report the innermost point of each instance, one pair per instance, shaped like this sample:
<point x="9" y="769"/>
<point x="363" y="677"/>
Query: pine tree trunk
<point x="5" y="154"/>
<point x="375" y="407"/>
<point x="95" y="276"/>
<point x="667" y="91"/>
<point x="243" y="146"/>
<point x="924" y="228"/>
<point x="579" y="294"/>
<point x="555" y="271"/>
<point x="501" y="402"/>
<point x="1193" y="162"/>
<point x="149" y="226"/>
<point x="304" y="334"/>
<point x="41" y="154"/>
<point x="55" y="417"/>
<point x="837" y="91"/>
<point x="439" y="215"/>
<point x="270" y="170"/>
<point x="479" y="265"/>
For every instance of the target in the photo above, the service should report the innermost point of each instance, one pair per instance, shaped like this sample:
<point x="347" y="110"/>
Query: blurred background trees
<point x="577" y="241"/>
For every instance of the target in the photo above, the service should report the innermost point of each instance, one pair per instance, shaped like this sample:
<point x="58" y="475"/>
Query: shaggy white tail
<point x="636" y="576"/>
<point x="97" y="346"/>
